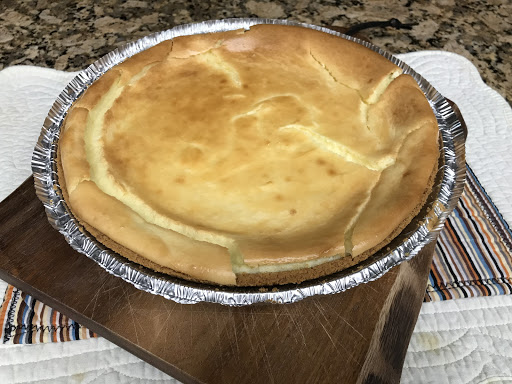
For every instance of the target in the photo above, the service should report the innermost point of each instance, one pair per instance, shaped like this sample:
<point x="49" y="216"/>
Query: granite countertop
<point x="69" y="35"/>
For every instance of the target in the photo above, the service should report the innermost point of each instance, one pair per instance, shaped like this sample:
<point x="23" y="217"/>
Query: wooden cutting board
<point x="358" y="336"/>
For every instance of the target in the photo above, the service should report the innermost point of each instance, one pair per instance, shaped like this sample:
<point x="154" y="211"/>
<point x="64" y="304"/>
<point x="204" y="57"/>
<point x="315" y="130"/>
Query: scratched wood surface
<point x="359" y="336"/>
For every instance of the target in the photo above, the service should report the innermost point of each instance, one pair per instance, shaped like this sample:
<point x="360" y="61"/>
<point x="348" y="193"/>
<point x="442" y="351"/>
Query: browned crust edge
<point x="249" y="279"/>
<point x="107" y="241"/>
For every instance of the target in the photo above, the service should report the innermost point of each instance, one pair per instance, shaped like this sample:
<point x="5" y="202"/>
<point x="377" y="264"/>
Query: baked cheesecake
<point x="252" y="157"/>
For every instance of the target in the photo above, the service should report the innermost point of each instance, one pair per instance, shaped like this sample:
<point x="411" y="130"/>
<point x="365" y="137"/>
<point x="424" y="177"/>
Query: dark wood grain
<point x="357" y="336"/>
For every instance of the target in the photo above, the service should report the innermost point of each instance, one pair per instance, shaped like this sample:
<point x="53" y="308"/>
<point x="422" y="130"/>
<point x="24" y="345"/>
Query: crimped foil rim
<point x="451" y="173"/>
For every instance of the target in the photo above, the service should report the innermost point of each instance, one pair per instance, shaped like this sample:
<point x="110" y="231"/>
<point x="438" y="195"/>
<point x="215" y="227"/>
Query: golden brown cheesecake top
<point x="266" y="150"/>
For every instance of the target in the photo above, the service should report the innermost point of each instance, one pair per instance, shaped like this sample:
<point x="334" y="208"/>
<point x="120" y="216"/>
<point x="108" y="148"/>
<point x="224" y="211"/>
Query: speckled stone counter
<point x="69" y="35"/>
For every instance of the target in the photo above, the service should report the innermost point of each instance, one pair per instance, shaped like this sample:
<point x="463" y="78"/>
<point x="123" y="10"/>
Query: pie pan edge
<point x="422" y="230"/>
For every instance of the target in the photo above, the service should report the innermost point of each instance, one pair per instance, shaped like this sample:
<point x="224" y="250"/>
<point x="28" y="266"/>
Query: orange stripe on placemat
<point x="5" y="303"/>
<point x="3" y="312"/>
<point x="53" y="324"/>
<point x="65" y="328"/>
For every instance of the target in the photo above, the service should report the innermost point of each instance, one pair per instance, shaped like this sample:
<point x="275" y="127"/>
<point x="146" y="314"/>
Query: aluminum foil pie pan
<point x="421" y="231"/>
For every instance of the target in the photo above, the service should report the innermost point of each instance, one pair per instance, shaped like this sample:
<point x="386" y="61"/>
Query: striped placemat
<point x="473" y="257"/>
<point x="473" y="254"/>
<point x="26" y="320"/>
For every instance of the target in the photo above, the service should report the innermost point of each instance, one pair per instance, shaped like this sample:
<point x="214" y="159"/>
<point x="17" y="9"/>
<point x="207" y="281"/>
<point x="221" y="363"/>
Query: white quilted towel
<point x="457" y="341"/>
